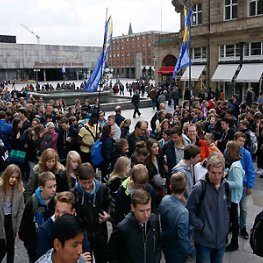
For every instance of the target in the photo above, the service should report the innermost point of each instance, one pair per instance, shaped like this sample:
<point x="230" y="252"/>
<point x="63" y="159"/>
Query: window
<point x="199" y="53"/>
<point x="255" y="7"/>
<point x="256" y="49"/>
<point x="197" y="15"/>
<point x="230" y="9"/>
<point x="229" y="51"/>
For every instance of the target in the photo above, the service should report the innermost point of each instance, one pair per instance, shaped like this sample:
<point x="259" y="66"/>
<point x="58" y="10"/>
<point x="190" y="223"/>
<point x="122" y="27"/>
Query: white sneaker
<point x="259" y="171"/>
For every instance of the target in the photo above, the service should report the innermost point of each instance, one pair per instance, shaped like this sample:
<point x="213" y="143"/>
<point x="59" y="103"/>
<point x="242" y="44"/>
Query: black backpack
<point x="256" y="235"/>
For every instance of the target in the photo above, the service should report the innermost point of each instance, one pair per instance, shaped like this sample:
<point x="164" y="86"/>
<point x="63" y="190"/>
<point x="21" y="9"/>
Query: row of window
<point x="249" y="50"/>
<point x="127" y="39"/>
<point x="133" y="46"/>
<point x="255" y="8"/>
<point x="253" y="49"/>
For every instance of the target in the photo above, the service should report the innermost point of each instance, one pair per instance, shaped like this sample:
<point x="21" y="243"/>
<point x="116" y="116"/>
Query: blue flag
<point x="184" y="59"/>
<point x="94" y="80"/>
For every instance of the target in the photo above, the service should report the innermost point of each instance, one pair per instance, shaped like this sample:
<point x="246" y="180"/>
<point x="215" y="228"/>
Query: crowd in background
<point x="46" y="149"/>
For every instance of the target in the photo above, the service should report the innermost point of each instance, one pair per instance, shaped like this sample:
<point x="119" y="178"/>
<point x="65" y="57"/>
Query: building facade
<point x="132" y="56"/>
<point x="46" y="62"/>
<point x="226" y="45"/>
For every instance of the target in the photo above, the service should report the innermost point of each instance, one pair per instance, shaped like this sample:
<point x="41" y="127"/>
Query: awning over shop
<point x="250" y="73"/>
<point x="196" y="71"/>
<point x="166" y="70"/>
<point x="225" y="72"/>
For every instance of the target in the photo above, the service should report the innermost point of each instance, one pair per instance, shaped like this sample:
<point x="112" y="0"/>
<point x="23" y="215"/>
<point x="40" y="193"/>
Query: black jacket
<point x="130" y="242"/>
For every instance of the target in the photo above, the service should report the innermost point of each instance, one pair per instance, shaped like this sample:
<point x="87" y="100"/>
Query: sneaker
<point x="231" y="247"/>
<point x="259" y="171"/>
<point x="243" y="233"/>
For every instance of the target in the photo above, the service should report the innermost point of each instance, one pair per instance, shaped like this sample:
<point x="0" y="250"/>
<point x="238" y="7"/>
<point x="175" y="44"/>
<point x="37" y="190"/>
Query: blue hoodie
<point x="39" y="217"/>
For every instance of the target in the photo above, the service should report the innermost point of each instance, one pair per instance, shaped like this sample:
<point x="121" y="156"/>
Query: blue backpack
<point x="96" y="153"/>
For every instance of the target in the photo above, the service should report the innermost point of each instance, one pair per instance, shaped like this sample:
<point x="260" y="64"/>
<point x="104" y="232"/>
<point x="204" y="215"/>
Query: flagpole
<point x="102" y="57"/>
<point x="190" y="68"/>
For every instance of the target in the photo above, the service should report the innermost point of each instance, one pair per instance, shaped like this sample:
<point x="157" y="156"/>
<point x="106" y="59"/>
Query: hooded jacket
<point x="90" y="204"/>
<point x="209" y="213"/>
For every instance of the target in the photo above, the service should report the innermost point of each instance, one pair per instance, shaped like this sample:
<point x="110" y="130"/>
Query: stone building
<point x="226" y="46"/>
<point x="45" y="62"/>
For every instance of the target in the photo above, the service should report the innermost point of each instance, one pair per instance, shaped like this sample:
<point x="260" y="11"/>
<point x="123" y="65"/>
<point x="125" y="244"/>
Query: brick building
<point x="131" y="55"/>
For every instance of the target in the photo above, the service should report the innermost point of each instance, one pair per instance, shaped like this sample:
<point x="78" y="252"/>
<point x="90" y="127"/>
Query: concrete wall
<point x="19" y="56"/>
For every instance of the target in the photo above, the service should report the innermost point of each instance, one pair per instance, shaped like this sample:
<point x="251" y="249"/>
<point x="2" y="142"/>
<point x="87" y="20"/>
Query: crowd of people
<point x="176" y="183"/>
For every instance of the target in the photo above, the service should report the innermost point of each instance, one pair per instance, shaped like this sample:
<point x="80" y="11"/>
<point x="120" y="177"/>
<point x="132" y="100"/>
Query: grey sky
<point x="81" y="22"/>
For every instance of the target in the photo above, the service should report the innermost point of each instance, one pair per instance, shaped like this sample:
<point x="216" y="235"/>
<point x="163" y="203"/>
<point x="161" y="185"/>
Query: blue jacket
<point x="235" y="180"/>
<point x="247" y="164"/>
<point x="209" y="214"/>
<point x="176" y="241"/>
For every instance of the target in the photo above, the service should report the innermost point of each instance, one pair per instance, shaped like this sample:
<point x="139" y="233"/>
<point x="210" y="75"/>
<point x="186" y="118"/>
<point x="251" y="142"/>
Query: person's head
<point x="192" y="153"/>
<point x="35" y="122"/>
<point x="178" y="183"/>
<point x="225" y="124"/>
<point x="215" y="167"/>
<point x="191" y="131"/>
<point x="141" y="128"/>
<point x="139" y="176"/>
<point x="94" y="118"/>
<point x="243" y="124"/>
<point x="111" y="119"/>
<point x="107" y="130"/>
<point x="48" y="185"/>
<point x="64" y="204"/>
<point x="177" y="134"/>
<point x="118" y="109"/>
<point x="153" y="147"/>
<point x="17" y="124"/>
<point x="73" y="161"/>
<point x="50" y="127"/>
<point x="141" y="205"/>
<point x="240" y="138"/>
<point x="11" y="177"/>
<point x="232" y="152"/>
<point x="209" y="138"/>
<point x="86" y="176"/>
<point x="141" y="152"/>
<point x="49" y="160"/>
<point x="22" y="113"/>
<point x="64" y="123"/>
<point x="121" y="168"/>
<point x="121" y="146"/>
<point x="67" y="244"/>
<point x="101" y="115"/>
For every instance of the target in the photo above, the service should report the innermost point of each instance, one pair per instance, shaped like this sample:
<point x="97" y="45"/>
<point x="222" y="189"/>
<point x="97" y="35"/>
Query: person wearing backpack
<point x="92" y="203"/>
<point x="87" y="137"/>
<point x="38" y="209"/>
<point x="5" y="130"/>
<point x="208" y="205"/>
<point x="107" y="149"/>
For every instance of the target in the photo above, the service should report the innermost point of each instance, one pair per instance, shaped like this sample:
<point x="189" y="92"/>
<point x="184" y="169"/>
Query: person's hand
<point x="68" y="139"/>
<point x="249" y="191"/>
<point x="104" y="217"/>
<point x="87" y="257"/>
<point x="18" y="136"/>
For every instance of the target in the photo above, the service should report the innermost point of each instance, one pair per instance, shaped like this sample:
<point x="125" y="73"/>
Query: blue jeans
<point x="243" y="210"/>
<point x="209" y="255"/>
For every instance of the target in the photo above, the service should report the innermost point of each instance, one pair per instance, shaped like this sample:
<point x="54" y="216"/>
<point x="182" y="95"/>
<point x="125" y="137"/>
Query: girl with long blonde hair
<point x="11" y="210"/>
<point x="68" y="178"/>
<point x="48" y="162"/>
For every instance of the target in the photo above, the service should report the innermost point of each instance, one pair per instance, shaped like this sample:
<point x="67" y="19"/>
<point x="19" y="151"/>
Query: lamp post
<point x="36" y="70"/>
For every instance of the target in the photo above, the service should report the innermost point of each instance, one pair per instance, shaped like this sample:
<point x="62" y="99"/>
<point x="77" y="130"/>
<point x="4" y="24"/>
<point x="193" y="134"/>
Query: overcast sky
<point x="81" y="22"/>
